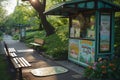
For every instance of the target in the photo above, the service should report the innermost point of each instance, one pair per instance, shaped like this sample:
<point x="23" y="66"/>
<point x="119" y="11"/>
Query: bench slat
<point x="12" y="54"/>
<point x="22" y="65"/>
<point x="16" y="63"/>
<point x="20" y="62"/>
<point x="39" y="41"/>
<point x="11" y="50"/>
<point x="26" y="61"/>
<point x="25" y="65"/>
<point x="35" y="44"/>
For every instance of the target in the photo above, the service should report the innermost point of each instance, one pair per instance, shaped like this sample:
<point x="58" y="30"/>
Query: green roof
<point x="75" y="6"/>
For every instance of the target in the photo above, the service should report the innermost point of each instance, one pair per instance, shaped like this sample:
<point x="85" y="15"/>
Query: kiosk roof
<point x="76" y="6"/>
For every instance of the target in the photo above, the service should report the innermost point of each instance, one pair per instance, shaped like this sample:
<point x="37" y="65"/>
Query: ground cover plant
<point x="4" y="71"/>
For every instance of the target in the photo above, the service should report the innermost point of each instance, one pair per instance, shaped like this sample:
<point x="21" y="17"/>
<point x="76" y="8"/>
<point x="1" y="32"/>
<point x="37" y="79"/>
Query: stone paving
<point x="38" y="61"/>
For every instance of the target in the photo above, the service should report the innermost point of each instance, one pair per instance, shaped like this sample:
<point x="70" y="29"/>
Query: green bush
<point x="1" y="38"/>
<point x="1" y="33"/>
<point x="117" y="36"/>
<point x="56" y="45"/>
<point x="5" y="75"/>
<point x="104" y="70"/>
<point x="16" y="37"/>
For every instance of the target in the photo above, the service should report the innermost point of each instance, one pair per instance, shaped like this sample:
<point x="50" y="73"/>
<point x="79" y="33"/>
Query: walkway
<point x="38" y="61"/>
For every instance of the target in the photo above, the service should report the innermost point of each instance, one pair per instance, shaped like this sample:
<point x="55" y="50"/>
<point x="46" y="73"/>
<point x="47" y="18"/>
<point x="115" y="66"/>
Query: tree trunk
<point x="40" y="27"/>
<point x="40" y="8"/>
<point x="40" y="23"/>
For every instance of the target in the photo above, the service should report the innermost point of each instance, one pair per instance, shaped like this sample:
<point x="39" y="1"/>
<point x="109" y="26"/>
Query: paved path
<point x="38" y="61"/>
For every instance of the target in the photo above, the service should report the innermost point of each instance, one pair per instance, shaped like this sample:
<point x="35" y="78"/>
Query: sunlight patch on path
<point x="25" y="50"/>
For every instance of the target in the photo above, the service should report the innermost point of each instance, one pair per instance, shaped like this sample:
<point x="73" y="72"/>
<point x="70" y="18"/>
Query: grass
<point x="4" y="73"/>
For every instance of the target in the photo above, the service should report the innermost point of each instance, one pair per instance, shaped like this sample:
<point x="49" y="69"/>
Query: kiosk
<point x="91" y="29"/>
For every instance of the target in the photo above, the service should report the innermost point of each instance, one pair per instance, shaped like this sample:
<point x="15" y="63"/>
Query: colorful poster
<point x="73" y="48"/>
<point x="105" y="33"/>
<point x="87" y="51"/>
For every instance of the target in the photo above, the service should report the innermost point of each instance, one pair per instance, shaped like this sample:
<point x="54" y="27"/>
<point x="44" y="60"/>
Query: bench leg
<point x="20" y="73"/>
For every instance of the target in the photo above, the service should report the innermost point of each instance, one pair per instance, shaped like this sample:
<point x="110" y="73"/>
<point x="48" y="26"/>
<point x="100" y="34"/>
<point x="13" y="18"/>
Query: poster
<point x="75" y="29"/>
<point x="87" y="51"/>
<point x="105" y="33"/>
<point x="73" y="49"/>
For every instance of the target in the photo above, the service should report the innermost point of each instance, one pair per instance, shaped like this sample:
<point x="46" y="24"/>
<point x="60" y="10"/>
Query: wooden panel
<point x="15" y="63"/>
<point x="40" y="41"/>
<point x="22" y="65"/>
<point x="20" y="62"/>
<point x="25" y="65"/>
<point x="26" y="61"/>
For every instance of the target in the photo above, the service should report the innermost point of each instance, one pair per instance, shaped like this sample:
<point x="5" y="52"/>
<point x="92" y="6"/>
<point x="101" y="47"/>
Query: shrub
<point x="5" y="75"/>
<point x="1" y="33"/>
<point x="56" y="45"/>
<point x="104" y="70"/>
<point x="1" y="38"/>
<point x="16" y="37"/>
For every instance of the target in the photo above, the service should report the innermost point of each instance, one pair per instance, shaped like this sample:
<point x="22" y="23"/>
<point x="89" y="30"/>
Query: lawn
<point x="4" y="70"/>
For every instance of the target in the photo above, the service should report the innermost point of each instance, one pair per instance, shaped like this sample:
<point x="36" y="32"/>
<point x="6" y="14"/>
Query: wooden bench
<point x="37" y="43"/>
<point x="19" y="63"/>
<point x="10" y="52"/>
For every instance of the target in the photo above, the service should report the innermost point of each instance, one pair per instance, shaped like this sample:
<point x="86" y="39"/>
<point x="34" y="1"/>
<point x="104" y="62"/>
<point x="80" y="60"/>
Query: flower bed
<point x="104" y="70"/>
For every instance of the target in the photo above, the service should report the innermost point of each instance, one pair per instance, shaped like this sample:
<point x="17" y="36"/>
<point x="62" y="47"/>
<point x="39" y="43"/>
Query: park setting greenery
<point x="55" y="36"/>
<point x="5" y="75"/>
<point x="104" y="70"/>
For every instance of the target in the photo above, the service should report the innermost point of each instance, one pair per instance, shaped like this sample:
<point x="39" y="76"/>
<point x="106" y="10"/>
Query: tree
<point x="22" y="15"/>
<point x="40" y="8"/>
<point x="2" y="15"/>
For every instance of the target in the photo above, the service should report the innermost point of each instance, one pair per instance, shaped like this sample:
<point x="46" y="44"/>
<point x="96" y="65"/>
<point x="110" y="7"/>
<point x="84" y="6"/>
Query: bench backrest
<point x="6" y="49"/>
<point x="39" y="41"/>
<point x="6" y="52"/>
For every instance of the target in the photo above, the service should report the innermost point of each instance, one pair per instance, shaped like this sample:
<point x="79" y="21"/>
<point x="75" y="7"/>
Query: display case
<point x="82" y="38"/>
